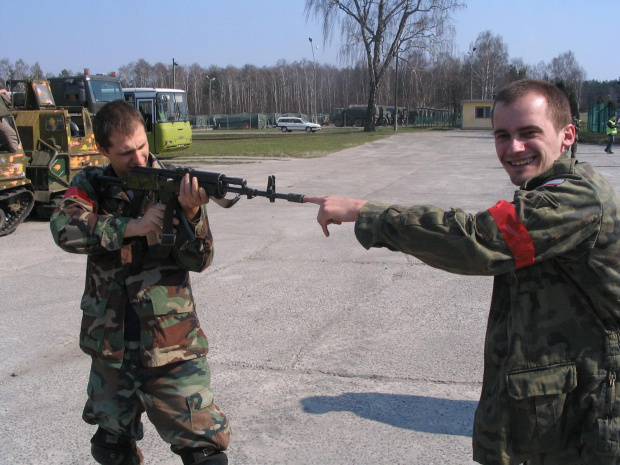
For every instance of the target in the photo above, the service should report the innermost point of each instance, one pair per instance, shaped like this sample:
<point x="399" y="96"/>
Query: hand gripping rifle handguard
<point x="164" y="186"/>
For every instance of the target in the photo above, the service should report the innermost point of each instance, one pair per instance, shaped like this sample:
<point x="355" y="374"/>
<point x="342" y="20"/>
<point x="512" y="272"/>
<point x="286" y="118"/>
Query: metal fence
<point x="426" y="117"/>
<point x="598" y="117"/>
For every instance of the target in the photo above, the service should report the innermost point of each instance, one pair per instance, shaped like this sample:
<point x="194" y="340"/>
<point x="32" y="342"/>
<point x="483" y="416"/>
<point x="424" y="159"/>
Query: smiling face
<point x="526" y="141"/>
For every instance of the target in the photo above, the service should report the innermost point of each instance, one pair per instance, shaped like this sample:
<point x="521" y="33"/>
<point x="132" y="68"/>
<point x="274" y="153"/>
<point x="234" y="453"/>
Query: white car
<point x="291" y="123"/>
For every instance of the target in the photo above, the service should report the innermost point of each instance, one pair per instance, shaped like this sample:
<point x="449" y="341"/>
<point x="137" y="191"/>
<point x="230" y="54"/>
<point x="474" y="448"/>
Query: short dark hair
<point x="117" y="116"/>
<point x="558" y="107"/>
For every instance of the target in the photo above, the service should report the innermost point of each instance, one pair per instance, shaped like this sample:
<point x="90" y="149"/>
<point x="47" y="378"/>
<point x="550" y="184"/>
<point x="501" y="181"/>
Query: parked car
<point x="291" y="123"/>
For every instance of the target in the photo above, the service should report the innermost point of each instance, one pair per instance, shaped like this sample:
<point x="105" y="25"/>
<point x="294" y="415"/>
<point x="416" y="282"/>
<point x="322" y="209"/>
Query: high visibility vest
<point x="612" y="130"/>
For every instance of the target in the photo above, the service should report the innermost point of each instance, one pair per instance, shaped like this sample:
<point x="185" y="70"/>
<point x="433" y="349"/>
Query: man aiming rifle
<point x="139" y="322"/>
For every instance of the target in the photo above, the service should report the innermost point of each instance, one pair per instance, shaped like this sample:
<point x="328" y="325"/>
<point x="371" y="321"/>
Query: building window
<point x="483" y="112"/>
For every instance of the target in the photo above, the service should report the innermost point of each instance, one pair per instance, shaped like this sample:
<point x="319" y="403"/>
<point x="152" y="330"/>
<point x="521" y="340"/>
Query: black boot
<point x="203" y="456"/>
<point x="108" y="449"/>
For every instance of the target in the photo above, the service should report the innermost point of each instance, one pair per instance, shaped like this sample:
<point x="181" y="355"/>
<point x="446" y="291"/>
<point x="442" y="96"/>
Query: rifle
<point x="164" y="184"/>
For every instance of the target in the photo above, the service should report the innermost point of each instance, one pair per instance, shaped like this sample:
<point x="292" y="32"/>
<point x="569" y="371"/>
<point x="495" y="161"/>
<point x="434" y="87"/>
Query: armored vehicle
<point x="58" y="144"/>
<point x="16" y="191"/>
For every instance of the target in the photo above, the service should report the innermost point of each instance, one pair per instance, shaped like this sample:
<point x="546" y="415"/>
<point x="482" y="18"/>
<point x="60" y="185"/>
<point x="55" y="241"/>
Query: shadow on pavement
<point x="418" y="413"/>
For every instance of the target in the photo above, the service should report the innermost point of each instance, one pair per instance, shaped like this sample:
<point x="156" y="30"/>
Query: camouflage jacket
<point x="552" y="350"/>
<point x="121" y="272"/>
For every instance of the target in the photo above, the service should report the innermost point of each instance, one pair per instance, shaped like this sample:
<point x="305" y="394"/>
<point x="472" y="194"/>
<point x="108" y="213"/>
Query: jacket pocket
<point x="170" y="330"/>
<point x="541" y="415"/>
<point x="167" y="300"/>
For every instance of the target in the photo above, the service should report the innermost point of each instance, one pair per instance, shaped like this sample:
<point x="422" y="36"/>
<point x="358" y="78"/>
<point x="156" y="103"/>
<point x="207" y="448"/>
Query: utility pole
<point x="395" y="115"/>
<point x="174" y="65"/>
<point x="471" y="73"/>
<point x="210" y="83"/>
<point x="314" y="64"/>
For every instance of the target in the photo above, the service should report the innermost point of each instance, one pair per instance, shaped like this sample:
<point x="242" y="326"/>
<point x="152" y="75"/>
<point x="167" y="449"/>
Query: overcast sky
<point x="105" y="35"/>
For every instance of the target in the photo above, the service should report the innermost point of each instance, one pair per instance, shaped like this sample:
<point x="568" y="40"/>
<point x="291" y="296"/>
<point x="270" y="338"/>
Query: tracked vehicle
<point x="16" y="191"/>
<point x="58" y="144"/>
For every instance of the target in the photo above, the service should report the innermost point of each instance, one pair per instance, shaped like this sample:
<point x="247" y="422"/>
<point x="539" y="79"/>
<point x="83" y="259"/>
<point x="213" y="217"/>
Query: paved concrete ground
<point x="322" y="352"/>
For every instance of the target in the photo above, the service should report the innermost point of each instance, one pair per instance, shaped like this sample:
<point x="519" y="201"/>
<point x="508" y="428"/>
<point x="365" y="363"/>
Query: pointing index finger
<point x="314" y="200"/>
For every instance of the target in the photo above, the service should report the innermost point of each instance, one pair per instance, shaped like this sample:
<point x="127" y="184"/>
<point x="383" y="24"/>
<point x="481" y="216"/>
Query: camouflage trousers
<point x="177" y="399"/>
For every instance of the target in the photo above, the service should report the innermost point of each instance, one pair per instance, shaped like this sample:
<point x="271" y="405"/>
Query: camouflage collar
<point x="563" y="166"/>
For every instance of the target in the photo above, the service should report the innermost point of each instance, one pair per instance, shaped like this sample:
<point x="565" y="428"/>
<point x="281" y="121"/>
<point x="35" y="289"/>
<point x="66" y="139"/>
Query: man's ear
<point x="568" y="138"/>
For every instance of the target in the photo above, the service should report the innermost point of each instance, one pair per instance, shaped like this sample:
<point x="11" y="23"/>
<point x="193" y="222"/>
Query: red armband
<point x="514" y="233"/>
<point x="80" y="194"/>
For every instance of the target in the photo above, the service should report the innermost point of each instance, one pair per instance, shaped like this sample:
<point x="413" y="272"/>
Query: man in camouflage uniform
<point x="552" y="350"/>
<point x="139" y="323"/>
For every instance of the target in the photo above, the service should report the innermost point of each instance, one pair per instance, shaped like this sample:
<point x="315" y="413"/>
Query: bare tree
<point x="451" y="87"/>
<point x="21" y="70"/>
<point x="517" y="69"/>
<point x="429" y="75"/>
<point x="566" y="68"/>
<point x="382" y="28"/>
<point x="5" y="69"/>
<point x="539" y="71"/>
<point x="490" y="63"/>
<point x="161" y="75"/>
<point x="36" y="72"/>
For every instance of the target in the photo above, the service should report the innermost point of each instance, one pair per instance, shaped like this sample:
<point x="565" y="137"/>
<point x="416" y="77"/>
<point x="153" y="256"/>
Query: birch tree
<point x="379" y="29"/>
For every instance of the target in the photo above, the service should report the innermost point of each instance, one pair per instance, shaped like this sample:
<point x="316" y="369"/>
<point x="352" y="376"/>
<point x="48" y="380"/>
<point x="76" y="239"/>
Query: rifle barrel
<point x="272" y="196"/>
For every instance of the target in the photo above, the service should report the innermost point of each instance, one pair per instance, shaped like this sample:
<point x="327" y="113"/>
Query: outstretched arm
<point x="336" y="210"/>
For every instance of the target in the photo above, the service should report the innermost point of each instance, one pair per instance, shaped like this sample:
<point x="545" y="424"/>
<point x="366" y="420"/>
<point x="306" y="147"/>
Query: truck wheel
<point x="357" y="123"/>
<point x="284" y="129"/>
<point x="338" y="123"/>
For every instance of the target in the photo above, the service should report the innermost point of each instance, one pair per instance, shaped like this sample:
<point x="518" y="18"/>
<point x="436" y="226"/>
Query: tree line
<point x="436" y="78"/>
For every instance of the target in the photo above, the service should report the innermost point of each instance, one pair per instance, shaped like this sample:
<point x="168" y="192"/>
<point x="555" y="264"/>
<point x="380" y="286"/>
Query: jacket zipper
<point x="612" y="392"/>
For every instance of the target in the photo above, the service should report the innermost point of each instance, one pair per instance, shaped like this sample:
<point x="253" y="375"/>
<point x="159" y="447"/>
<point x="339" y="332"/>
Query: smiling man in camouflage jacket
<point x="552" y="350"/>
<point x="139" y="323"/>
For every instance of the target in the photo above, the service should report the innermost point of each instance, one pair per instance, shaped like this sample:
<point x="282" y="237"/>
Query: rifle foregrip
<point x="298" y="198"/>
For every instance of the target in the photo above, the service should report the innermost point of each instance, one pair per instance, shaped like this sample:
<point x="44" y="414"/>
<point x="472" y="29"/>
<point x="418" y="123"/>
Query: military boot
<point x="203" y="456"/>
<point x="108" y="449"/>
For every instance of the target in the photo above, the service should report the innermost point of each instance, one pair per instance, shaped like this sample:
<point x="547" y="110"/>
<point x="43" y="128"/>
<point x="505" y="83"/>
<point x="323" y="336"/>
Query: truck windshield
<point x="105" y="91"/>
<point x="171" y="106"/>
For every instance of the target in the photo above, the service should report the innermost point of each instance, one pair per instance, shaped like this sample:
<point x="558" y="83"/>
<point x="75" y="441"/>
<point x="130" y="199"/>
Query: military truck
<point x="90" y="91"/>
<point x="355" y="115"/>
<point x="16" y="191"/>
<point x="58" y="144"/>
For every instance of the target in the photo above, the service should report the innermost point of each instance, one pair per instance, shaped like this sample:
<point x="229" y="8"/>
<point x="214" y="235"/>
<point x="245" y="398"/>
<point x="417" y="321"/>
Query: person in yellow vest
<point x="612" y="130"/>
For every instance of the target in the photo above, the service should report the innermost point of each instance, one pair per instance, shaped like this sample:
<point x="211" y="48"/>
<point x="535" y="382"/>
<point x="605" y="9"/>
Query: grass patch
<point x="274" y="143"/>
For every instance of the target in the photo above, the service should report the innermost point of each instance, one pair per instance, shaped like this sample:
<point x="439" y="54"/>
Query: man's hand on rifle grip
<point x="151" y="221"/>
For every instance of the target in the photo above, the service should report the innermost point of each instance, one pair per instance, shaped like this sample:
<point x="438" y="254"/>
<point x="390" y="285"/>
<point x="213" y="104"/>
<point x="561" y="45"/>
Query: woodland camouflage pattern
<point x="552" y="350"/>
<point x="182" y="388"/>
<point x="122" y="272"/>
